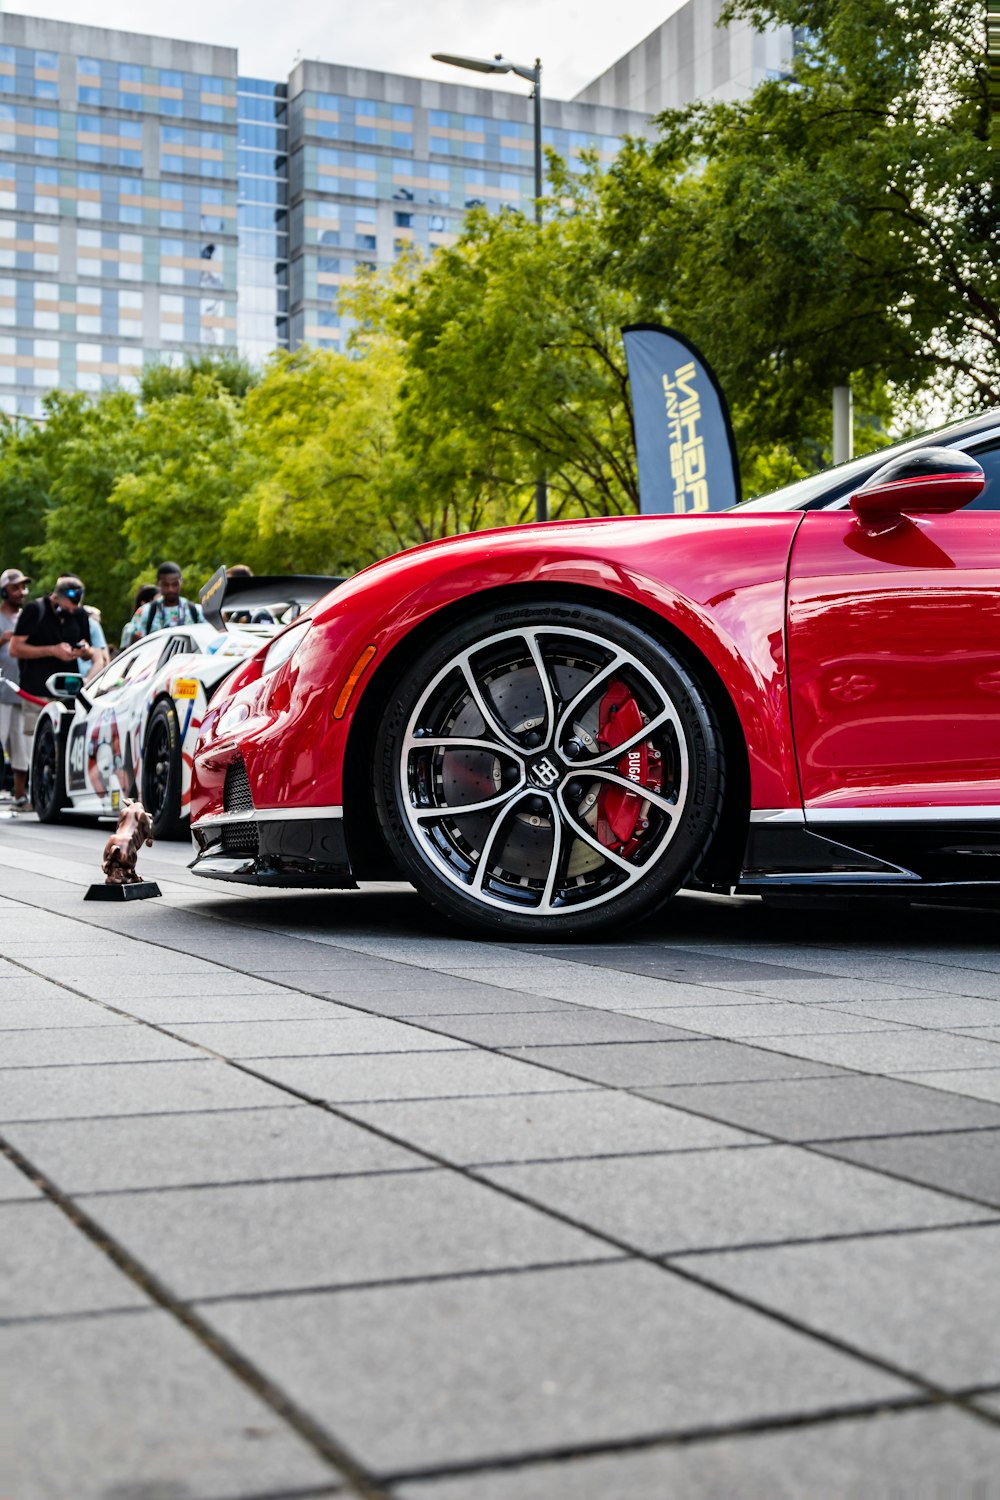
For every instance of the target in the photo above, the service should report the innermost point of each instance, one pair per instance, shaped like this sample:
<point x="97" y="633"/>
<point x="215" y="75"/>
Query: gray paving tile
<point x="63" y="1010"/>
<point x="24" y="990"/>
<point x="500" y="1365"/>
<point x="678" y="964"/>
<point x="971" y="1083"/>
<point x="952" y="1012"/>
<point x="13" y="1182"/>
<point x="990" y="1403"/>
<point x="344" y="1034"/>
<point x="694" y="1201"/>
<point x="815" y="1109"/>
<point x="966" y="1161"/>
<point x="129" y="1088"/>
<point x="594" y="1122"/>
<point x="415" y="1075"/>
<point x="897" y="1051"/>
<point x="241" y="1145"/>
<point x="48" y="1266"/>
<point x="837" y="989"/>
<point x="931" y="1454"/>
<point x="929" y="1303"/>
<point x="87" y="1044"/>
<point x="645" y="1064"/>
<point x="213" y="1242"/>
<point x="121" y="988"/>
<point x="468" y="1000"/>
<point x="276" y="1005"/>
<point x="769" y="1019"/>
<point x="543" y="1028"/>
<point x="130" y="1406"/>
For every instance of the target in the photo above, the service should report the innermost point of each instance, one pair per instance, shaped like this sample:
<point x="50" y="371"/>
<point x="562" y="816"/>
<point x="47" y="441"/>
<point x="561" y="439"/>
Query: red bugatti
<point x="550" y="729"/>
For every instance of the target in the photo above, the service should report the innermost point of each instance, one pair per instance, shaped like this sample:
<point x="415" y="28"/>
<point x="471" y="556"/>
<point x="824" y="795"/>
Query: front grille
<point x="236" y="791"/>
<point x="240" y="838"/>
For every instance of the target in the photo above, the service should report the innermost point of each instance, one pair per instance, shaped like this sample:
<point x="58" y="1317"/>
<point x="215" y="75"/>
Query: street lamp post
<point x="500" y="64"/>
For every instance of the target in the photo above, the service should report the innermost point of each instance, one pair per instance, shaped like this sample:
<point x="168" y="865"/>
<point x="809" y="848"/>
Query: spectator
<point x="13" y="741"/>
<point x="239" y="570"/>
<point x="50" y="634"/>
<point x="101" y="655"/>
<point x="144" y="594"/>
<point x="167" y="610"/>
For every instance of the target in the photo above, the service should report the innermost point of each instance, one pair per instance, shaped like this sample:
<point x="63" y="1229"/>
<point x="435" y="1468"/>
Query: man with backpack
<point x="167" y="610"/>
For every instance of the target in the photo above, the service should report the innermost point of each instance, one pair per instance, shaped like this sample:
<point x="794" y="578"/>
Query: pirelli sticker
<point x="185" y="687"/>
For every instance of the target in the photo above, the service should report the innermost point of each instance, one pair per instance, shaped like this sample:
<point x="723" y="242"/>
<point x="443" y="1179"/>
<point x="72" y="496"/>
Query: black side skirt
<point x="855" y="857"/>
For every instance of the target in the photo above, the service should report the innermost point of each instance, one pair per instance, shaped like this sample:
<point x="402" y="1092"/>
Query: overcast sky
<point x="575" y="39"/>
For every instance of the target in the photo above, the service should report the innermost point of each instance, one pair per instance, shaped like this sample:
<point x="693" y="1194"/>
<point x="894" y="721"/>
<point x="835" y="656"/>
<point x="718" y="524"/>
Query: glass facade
<point x="147" y="211"/>
<point x="262" y="219"/>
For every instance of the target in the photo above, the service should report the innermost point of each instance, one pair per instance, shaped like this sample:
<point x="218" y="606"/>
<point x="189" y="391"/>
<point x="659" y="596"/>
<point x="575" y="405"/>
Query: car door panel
<point x="894" y="661"/>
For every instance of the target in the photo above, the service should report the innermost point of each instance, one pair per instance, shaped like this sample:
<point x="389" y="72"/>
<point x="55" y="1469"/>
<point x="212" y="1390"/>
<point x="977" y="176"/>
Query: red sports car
<point x="549" y="729"/>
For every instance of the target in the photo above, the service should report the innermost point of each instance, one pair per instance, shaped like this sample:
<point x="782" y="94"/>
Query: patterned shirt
<point x="159" y="616"/>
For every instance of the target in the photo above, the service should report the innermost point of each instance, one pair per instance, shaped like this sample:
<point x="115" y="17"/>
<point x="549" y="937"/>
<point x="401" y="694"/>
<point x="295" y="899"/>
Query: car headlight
<point x="284" y="647"/>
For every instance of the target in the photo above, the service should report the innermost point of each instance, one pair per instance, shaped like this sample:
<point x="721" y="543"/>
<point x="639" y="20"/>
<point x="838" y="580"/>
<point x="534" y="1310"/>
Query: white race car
<point x="131" y="729"/>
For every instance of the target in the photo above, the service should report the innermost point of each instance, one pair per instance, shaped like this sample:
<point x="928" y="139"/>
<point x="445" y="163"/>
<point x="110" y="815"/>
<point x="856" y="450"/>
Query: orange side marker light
<point x="347" y="691"/>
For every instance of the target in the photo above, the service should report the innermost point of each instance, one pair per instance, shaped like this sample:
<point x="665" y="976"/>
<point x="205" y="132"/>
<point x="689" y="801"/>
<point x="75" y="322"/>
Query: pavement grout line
<point x="323" y="1444"/>
<point x="706" y="1433"/>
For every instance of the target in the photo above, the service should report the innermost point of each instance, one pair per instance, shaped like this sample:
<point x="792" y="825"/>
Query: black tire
<point x="589" y="821"/>
<point x="161" y="773"/>
<point x="48" y="773"/>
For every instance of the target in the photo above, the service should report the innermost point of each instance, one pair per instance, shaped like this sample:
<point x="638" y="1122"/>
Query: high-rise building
<point x="690" y="56"/>
<point x="154" y="203"/>
<point x="378" y="161"/>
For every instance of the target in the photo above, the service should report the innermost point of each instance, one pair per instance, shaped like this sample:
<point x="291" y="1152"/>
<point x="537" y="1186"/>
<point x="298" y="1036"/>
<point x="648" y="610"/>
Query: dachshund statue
<point x="122" y="849"/>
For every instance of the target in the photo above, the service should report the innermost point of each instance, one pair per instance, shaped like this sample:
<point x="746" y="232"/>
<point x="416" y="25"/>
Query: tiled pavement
<point x="310" y="1196"/>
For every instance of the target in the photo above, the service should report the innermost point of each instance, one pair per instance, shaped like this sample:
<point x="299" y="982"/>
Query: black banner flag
<point x="683" y="436"/>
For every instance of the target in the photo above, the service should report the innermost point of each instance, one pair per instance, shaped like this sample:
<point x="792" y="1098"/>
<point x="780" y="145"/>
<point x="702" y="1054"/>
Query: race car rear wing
<point x="277" y="593"/>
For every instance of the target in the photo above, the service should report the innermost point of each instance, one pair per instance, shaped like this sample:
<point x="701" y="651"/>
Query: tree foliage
<point x="839" y="225"/>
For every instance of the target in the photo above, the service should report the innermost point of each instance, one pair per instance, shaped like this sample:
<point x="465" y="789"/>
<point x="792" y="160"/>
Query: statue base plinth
<point x="140" y="891"/>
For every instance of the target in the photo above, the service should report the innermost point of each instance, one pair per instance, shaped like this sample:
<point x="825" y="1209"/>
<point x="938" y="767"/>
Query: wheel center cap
<point x="544" y="772"/>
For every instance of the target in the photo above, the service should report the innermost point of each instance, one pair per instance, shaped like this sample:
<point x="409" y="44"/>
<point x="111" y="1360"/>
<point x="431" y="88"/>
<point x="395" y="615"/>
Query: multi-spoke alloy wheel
<point x="548" y="770"/>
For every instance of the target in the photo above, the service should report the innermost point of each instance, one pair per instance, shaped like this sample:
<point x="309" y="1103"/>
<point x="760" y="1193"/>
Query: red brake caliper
<point x="619" y="812"/>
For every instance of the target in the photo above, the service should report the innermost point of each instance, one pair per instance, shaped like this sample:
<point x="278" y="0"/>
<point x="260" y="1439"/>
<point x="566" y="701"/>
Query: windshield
<point x="837" y="483"/>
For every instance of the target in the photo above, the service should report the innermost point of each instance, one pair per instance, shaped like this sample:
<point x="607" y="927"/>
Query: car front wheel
<point x="48" y="793"/>
<point x="548" y="771"/>
<point x="161" y="773"/>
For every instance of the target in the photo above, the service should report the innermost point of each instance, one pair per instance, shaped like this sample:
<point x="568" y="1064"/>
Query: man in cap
<point x="13" y="740"/>
<point x="166" y="611"/>
<point x="51" y="633"/>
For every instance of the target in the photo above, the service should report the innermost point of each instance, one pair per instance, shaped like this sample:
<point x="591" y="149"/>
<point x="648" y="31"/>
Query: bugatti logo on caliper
<point x="635" y="765"/>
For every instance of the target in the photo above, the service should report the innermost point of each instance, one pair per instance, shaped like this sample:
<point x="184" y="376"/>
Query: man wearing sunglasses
<point x="50" y="634"/>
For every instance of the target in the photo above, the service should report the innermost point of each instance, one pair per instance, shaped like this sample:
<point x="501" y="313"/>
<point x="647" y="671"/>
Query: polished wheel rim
<point x="158" y="761"/>
<point x="544" y="770"/>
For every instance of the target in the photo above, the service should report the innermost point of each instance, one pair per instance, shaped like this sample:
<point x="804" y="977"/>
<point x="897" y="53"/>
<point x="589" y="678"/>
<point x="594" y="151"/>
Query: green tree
<point x="514" y="365"/>
<point x="318" y="435"/>
<point x="186" y="474"/>
<point x="56" y="477"/>
<point x="839" y="225"/>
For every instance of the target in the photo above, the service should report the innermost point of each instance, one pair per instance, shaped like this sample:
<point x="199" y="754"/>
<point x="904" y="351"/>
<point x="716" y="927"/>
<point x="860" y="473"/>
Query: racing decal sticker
<point x="76" y="758"/>
<point x="104" y="756"/>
